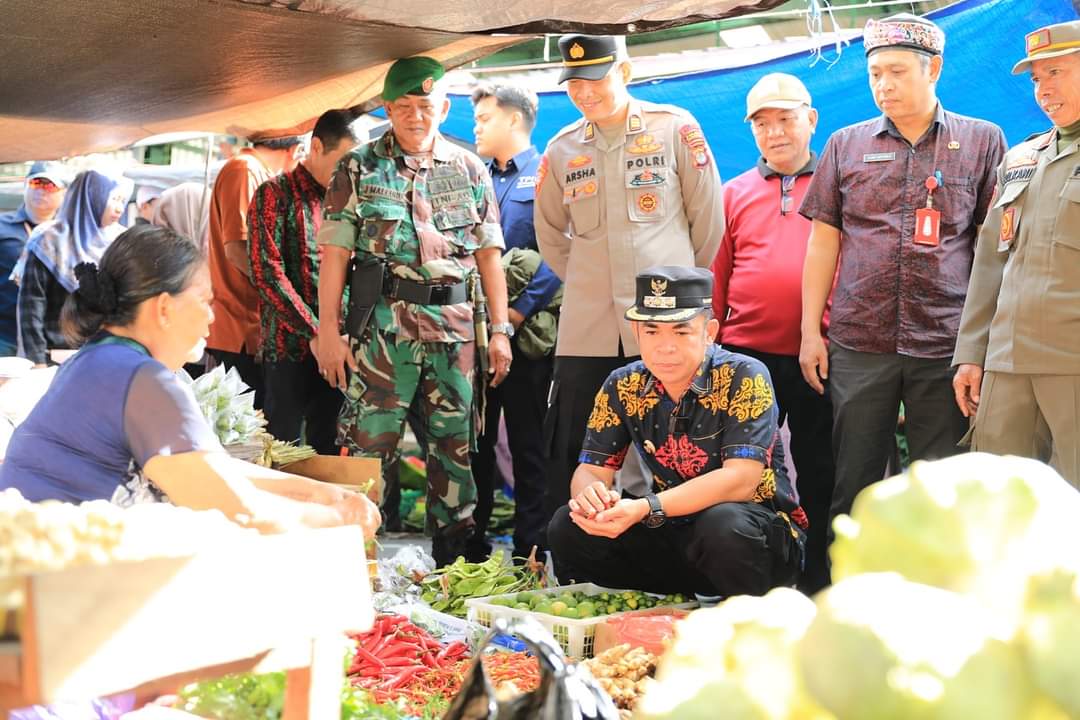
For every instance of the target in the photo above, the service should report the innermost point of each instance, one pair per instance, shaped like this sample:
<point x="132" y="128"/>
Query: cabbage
<point x="1052" y="635"/>
<point x="883" y="648"/>
<point x="735" y="661"/>
<point x="973" y="523"/>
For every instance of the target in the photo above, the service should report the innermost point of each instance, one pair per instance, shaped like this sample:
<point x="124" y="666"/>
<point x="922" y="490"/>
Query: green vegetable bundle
<point x="228" y="405"/>
<point x="447" y="589"/>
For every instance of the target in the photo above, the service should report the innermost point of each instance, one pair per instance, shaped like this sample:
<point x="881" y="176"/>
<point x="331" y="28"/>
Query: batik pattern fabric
<point x="729" y="412"/>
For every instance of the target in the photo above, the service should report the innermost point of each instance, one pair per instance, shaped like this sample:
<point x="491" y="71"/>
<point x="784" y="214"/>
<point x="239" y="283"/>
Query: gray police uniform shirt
<point x="605" y="212"/>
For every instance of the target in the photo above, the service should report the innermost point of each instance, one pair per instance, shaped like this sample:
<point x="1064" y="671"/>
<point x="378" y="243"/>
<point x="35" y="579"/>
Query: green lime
<point x="525" y="597"/>
<point x="571" y="613"/>
<point x="586" y="609"/>
<point x="632" y="603"/>
<point x="570" y="600"/>
<point x="544" y="607"/>
<point x="522" y="606"/>
<point x="558" y="607"/>
<point x="612" y="609"/>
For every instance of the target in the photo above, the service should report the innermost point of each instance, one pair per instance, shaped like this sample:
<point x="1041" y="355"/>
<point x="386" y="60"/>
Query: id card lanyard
<point x="928" y="219"/>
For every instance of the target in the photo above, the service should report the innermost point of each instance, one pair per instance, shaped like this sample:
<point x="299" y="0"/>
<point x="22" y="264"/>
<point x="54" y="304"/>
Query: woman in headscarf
<point x="84" y="226"/>
<point x="185" y="209"/>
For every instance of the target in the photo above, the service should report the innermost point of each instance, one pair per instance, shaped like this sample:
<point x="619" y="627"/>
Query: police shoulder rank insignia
<point x="590" y="131"/>
<point x="541" y="173"/>
<point x="645" y="144"/>
<point x="695" y="141"/>
<point x="634" y="124"/>
<point x="658" y="300"/>
<point x="648" y="202"/>
<point x="579" y="161"/>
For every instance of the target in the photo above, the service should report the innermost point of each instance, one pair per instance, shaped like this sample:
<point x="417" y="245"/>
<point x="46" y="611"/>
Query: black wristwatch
<point x="656" y="516"/>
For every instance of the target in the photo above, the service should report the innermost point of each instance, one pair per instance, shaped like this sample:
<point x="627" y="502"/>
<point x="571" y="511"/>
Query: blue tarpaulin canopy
<point x="984" y="38"/>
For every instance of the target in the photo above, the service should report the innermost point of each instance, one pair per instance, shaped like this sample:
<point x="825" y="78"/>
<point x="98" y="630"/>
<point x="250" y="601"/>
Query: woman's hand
<point x="357" y="509"/>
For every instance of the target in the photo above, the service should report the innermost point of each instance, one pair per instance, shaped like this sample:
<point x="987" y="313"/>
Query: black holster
<point x="365" y="288"/>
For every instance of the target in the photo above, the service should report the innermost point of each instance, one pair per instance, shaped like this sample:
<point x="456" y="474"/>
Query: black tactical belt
<point x="397" y="288"/>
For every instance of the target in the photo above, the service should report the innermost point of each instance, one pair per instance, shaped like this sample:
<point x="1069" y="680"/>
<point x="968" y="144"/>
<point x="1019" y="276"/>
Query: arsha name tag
<point x="879" y="157"/>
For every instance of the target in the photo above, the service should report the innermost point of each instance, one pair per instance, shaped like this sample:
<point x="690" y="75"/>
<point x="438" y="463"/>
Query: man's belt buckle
<point x="438" y="294"/>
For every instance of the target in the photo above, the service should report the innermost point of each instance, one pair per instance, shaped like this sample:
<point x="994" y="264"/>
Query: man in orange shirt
<point x="234" y="334"/>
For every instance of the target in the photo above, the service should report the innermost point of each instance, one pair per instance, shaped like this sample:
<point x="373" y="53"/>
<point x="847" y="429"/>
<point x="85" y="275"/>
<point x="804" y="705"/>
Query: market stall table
<point x="256" y="604"/>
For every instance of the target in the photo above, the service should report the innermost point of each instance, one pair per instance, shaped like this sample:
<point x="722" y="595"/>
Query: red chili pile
<point x="393" y="652"/>
<point x="398" y="660"/>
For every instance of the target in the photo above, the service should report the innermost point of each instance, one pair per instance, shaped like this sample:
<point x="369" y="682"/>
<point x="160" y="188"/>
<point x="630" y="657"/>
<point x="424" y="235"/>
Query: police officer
<point x="420" y="218"/>
<point x="1018" y="351"/>
<point x="629" y="186"/>
<point x="505" y="117"/>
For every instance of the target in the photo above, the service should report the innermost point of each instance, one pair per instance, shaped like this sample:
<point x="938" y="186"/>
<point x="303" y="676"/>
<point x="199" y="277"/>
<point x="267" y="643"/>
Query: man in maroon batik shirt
<point x="897" y="200"/>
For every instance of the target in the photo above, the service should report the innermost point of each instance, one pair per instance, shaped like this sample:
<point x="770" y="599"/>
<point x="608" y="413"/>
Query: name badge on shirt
<point x="927" y="227"/>
<point x="526" y="181"/>
<point x="879" y="157"/>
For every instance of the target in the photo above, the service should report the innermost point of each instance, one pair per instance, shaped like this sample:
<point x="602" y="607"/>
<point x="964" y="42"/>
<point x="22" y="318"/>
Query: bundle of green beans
<point x="447" y="589"/>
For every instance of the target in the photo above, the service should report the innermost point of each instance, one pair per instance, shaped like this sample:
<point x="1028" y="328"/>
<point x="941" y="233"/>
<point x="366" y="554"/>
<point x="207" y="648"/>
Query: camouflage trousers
<point x="372" y="417"/>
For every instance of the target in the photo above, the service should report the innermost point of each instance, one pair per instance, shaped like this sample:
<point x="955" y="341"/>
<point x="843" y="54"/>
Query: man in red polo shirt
<point x="758" y="286"/>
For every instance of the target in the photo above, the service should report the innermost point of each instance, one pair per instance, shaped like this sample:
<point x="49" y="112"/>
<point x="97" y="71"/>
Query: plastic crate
<point x="574" y="635"/>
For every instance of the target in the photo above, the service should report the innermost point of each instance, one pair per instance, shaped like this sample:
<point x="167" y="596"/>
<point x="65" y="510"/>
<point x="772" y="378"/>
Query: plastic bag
<point x="651" y="630"/>
<point x="566" y="692"/>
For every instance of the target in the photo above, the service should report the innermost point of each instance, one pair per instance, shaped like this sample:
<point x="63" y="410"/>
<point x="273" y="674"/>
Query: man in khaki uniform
<point x="631" y="185"/>
<point x="1021" y="320"/>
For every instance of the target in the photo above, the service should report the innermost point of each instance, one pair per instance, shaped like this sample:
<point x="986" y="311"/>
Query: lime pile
<point x="578" y="605"/>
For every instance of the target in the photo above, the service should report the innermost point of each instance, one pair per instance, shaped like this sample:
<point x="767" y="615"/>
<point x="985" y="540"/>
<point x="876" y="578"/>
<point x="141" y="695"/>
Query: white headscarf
<point x="185" y="209"/>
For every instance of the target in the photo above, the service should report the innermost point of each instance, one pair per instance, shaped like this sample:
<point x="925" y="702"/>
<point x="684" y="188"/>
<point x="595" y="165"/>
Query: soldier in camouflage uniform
<point x="426" y="211"/>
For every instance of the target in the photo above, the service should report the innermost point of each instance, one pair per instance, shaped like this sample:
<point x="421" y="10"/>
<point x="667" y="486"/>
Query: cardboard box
<point x="349" y="471"/>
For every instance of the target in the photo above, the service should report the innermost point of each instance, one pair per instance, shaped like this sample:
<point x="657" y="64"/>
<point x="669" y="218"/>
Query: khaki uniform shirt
<point x="605" y="213"/>
<point x="1022" y="313"/>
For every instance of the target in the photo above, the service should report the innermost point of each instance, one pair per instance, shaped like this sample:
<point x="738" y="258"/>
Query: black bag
<point x="566" y="692"/>
<point x="365" y="288"/>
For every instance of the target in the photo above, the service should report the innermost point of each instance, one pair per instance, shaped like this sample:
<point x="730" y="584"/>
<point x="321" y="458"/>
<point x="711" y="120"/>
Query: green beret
<point x="412" y="76"/>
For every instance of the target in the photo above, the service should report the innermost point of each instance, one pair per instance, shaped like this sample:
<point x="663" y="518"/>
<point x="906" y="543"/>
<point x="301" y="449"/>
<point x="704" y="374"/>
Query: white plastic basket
<point x="574" y="635"/>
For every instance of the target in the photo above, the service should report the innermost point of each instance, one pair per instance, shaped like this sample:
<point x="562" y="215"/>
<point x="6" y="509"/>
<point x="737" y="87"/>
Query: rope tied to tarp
<point x="815" y="26"/>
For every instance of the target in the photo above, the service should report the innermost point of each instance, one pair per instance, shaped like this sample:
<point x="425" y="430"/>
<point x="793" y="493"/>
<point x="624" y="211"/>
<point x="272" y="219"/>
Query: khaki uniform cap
<point x="1050" y="41"/>
<point x="776" y="90"/>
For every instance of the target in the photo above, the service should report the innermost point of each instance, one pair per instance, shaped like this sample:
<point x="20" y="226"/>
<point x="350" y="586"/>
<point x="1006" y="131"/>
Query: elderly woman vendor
<point x="116" y="423"/>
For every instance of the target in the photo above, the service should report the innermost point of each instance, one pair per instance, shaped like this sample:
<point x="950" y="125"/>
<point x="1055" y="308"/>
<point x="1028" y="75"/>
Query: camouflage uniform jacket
<point x="425" y="217"/>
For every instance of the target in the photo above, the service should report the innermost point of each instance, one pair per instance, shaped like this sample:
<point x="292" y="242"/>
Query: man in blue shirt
<point x="505" y="117"/>
<point x="45" y="186"/>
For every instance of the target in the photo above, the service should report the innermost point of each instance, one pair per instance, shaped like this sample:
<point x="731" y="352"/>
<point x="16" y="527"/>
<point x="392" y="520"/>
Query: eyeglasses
<point x="787" y="203"/>
<point x="45" y="184"/>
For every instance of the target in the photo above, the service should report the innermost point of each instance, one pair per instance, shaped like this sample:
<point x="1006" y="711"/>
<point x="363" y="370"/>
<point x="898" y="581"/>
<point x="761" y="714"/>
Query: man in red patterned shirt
<point x="721" y="517"/>
<point x="284" y="218"/>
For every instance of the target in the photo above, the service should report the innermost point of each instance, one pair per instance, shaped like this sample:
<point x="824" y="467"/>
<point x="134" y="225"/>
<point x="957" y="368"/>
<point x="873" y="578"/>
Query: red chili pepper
<point x="404" y="675"/>
<point x="369" y="657"/>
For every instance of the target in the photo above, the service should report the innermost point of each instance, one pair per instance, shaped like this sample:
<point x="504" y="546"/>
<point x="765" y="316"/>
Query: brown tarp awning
<point x="80" y="76"/>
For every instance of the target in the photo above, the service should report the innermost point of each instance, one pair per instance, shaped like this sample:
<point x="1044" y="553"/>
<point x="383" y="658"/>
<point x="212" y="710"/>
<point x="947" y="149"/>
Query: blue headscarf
<point x="75" y="235"/>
